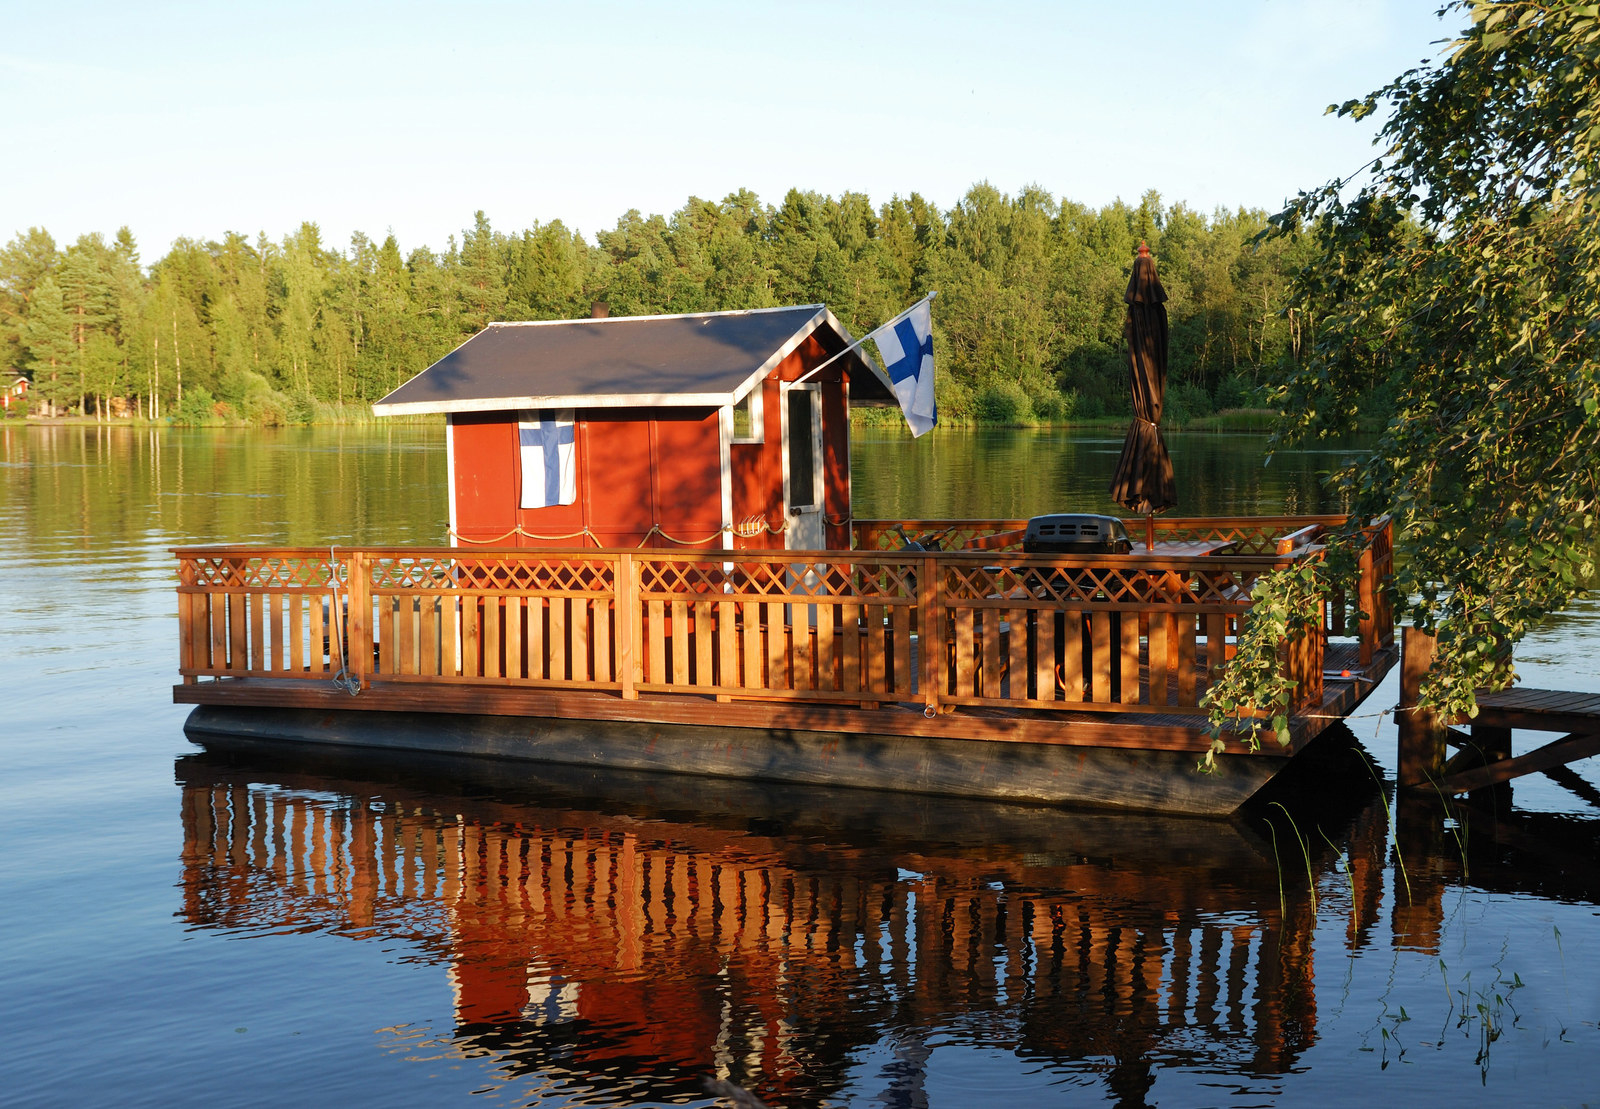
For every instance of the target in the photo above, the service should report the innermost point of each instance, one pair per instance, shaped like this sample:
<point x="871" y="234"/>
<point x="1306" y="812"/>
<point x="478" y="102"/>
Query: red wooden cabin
<point x="704" y="430"/>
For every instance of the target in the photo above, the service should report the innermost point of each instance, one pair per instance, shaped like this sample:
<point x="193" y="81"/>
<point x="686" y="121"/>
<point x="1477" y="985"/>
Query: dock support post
<point x="1490" y="744"/>
<point x="1422" y="731"/>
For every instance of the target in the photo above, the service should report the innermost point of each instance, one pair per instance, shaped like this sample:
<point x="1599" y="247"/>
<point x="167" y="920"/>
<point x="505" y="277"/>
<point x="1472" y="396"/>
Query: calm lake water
<point x="185" y="928"/>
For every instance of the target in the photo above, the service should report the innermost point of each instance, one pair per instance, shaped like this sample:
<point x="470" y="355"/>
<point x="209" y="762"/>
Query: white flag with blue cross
<point x="549" y="468"/>
<point x="906" y="344"/>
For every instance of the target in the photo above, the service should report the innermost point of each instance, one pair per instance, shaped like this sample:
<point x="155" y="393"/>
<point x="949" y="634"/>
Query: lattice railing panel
<point x="478" y="574"/>
<point x="1196" y="582"/>
<point x="855" y="578"/>
<point x="263" y="571"/>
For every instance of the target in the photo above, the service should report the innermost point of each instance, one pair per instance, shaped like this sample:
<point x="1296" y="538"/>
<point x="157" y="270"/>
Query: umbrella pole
<point x="1149" y="531"/>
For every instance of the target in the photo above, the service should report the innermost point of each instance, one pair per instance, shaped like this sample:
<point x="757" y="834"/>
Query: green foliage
<point x="1185" y="403"/>
<point x="1253" y="695"/>
<point x="1237" y="391"/>
<point x="254" y="400"/>
<point x="1460" y="289"/>
<point x="198" y="409"/>
<point x="302" y="407"/>
<point x="47" y="339"/>
<point x="1050" y="405"/>
<point x="1003" y="403"/>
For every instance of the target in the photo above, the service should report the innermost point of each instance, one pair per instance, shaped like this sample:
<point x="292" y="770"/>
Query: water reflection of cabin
<point x="708" y="429"/>
<point x="618" y="941"/>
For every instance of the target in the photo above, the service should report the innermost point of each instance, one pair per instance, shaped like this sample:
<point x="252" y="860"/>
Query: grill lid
<point x="1076" y="533"/>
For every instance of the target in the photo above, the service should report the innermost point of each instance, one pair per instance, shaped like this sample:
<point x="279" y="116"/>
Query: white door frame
<point x="804" y="530"/>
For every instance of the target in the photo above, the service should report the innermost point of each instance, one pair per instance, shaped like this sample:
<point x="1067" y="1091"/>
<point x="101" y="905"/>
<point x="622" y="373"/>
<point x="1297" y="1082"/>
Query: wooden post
<point x="1367" y="598"/>
<point x="1491" y="744"/>
<point x="186" y="620"/>
<point x="1422" y="732"/>
<point x="930" y="623"/>
<point x="358" y="620"/>
<point x="626" y="585"/>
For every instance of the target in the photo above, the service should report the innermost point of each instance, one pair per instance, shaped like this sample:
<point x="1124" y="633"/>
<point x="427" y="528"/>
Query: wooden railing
<point x="939" y="629"/>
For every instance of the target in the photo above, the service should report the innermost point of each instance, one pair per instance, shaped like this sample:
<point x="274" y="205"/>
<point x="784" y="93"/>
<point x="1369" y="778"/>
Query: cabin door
<point x="802" y="468"/>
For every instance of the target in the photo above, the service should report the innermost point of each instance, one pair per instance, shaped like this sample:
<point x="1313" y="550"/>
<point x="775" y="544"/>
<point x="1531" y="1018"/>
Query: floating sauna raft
<point x="1054" y="678"/>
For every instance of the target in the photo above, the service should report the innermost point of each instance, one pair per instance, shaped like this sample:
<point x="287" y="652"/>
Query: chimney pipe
<point x="599" y="310"/>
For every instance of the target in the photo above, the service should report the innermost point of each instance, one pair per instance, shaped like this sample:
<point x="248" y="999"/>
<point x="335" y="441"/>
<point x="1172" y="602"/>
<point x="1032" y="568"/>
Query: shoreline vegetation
<point x="1028" y="324"/>
<point x="1233" y="421"/>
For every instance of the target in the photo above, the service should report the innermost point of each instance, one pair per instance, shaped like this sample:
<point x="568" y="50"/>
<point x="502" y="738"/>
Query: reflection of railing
<point x="1128" y="633"/>
<point x="665" y="930"/>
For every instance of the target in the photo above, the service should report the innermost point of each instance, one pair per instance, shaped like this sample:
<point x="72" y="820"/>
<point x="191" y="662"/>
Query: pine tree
<point x="303" y="284"/>
<point x="24" y="262"/>
<point x="480" y="275"/>
<point x="49" y="342"/>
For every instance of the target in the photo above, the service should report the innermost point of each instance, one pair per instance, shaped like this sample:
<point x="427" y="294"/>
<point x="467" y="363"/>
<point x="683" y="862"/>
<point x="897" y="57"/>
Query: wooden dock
<point x="1540" y="710"/>
<point x="1484" y="758"/>
<point x="1103" y="652"/>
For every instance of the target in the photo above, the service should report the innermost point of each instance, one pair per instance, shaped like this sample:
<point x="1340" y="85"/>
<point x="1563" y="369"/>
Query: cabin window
<point x="802" y="468"/>
<point x="747" y="418"/>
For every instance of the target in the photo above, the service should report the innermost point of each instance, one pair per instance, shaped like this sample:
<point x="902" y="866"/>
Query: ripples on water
<point x="241" y="927"/>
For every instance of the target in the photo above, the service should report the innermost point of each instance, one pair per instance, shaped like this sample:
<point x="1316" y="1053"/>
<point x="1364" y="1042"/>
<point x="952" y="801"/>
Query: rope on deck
<point x="747" y="529"/>
<point x="583" y="531"/>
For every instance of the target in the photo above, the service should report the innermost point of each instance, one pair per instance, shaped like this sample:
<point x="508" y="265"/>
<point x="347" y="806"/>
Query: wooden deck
<point x="1107" y="651"/>
<point x="1540" y="710"/>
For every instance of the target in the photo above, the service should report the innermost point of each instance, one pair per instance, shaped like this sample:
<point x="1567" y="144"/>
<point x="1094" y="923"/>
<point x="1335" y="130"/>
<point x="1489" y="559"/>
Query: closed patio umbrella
<point x="1143" y="479"/>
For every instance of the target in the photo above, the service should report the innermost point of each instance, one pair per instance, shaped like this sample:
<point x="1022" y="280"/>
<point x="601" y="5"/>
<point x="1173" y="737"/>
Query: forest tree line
<point x="1028" y="324"/>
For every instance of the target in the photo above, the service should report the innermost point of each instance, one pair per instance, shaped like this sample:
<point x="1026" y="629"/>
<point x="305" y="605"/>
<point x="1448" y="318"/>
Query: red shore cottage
<point x="713" y="429"/>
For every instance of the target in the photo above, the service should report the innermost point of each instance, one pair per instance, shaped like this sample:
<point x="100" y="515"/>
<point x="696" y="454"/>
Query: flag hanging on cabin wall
<point x="906" y="343"/>
<point x="549" y="468"/>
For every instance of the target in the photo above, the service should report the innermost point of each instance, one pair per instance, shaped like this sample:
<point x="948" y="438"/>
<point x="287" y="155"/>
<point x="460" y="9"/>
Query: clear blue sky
<point x="195" y="119"/>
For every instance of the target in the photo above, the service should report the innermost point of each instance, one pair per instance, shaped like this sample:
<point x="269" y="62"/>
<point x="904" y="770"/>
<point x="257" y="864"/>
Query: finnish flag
<point x="549" y="470"/>
<point x="906" y="343"/>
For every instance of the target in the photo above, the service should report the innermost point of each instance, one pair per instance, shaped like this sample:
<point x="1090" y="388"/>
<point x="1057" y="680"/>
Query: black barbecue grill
<point x="1076" y="533"/>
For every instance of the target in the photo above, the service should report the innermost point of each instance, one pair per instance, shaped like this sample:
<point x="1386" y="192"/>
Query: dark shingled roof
<point x="709" y="358"/>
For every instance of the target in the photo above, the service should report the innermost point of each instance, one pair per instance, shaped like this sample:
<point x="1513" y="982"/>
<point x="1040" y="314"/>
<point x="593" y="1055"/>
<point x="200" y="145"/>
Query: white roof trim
<point x="581" y="400"/>
<point x="662" y="316"/>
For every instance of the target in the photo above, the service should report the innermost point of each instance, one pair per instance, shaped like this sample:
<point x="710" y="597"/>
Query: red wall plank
<point x="687" y="473"/>
<point x="614" y="475"/>
<point x="485" y="446"/>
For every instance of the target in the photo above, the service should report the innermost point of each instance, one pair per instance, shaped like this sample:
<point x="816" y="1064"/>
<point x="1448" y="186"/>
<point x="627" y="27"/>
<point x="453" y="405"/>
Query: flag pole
<point x="825" y="364"/>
